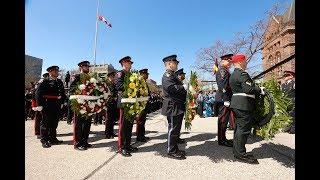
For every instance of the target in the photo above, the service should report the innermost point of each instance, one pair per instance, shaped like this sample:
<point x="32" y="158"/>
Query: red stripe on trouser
<point x="120" y="129"/>
<point x="222" y="118"/>
<point x="231" y="119"/>
<point x="74" y="129"/>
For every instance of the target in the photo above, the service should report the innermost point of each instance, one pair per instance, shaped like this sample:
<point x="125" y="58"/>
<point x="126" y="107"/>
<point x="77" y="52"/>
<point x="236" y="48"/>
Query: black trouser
<point x="97" y="118"/>
<point x="37" y="120"/>
<point x="141" y="130"/>
<point x="125" y="131"/>
<point x="112" y="112"/>
<point x="174" y="127"/>
<point x="243" y="120"/>
<point x="82" y="126"/>
<point x="200" y="108"/>
<point x="224" y="116"/>
<point x="70" y="114"/>
<point x="50" y="120"/>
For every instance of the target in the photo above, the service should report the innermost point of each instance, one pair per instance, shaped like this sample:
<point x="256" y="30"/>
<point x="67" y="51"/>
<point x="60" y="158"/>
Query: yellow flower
<point x="134" y="94"/>
<point x="132" y="85"/>
<point x="131" y="78"/>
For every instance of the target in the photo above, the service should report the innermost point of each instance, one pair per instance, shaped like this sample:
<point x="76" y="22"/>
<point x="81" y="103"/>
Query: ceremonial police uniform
<point x="50" y="95"/>
<point x="242" y="104"/>
<point x="173" y="107"/>
<point x="112" y="111"/>
<point x="141" y="121"/>
<point x="82" y="124"/>
<point x="125" y="125"/>
<point x="223" y="98"/>
<point x="289" y="89"/>
<point x="38" y="112"/>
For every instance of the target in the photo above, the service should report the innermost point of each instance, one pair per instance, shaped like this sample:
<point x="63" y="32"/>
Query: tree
<point x="248" y="43"/>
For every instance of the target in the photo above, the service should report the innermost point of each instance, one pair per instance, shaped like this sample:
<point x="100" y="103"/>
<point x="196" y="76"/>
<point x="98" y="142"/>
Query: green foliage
<point x="281" y="118"/>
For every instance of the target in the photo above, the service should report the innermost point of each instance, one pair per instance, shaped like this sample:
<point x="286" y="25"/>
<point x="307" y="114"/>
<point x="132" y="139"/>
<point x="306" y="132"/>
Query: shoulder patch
<point x="249" y="83"/>
<point x="244" y="73"/>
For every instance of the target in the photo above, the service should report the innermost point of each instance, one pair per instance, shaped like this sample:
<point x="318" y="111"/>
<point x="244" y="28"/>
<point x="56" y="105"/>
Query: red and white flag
<point x="101" y="18"/>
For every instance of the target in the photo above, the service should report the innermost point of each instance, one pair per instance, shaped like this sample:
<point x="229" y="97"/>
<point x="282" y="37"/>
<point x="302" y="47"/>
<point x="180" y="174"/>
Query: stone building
<point x="33" y="69"/>
<point x="279" y="43"/>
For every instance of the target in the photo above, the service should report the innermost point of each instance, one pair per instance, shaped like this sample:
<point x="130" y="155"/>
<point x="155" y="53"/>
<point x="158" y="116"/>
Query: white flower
<point x="98" y="103"/>
<point x="90" y="114"/>
<point x="93" y="80"/>
<point x="82" y="111"/>
<point x="82" y="86"/>
<point x="192" y="90"/>
<point x="106" y="95"/>
<point x="80" y="101"/>
<point x="88" y="93"/>
<point x="91" y="105"/>
<point x="131" y="78"/>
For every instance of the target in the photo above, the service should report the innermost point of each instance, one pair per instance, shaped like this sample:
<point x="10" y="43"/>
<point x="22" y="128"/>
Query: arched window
<point x="277" y="60"/>
<point x="270" y="60"/>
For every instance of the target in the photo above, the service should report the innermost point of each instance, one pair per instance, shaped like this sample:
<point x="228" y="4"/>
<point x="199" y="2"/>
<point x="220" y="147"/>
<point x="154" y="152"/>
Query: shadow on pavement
<point x="283" y="154"/>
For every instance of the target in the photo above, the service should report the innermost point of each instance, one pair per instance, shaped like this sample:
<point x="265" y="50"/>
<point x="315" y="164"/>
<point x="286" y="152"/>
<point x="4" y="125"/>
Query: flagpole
<point x="96" y="36"/>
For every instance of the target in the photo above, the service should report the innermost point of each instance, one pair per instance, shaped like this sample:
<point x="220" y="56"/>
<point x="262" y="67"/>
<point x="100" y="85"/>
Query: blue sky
<point x="61" y="32"/>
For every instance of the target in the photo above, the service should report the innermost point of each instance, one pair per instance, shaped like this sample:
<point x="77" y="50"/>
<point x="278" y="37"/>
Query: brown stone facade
<point x="279" y="43"/>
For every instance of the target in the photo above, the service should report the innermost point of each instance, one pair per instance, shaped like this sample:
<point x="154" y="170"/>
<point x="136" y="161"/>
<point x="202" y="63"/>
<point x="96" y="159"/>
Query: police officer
<point x="82" y="124"/>
<point x="223" y="98"/>
<point x="67" y="79"/>
<point x="288" y="87"/>
<point x="38" y="113"/>
<point x="242" y="104"/>
<point x="50" y="94"/>
<point x="112" y="112"/>
<point x="181" y="76"/>
<point x="173" y="105"/>
<point x="141" y="121"/>
<point x="125" y="125"/>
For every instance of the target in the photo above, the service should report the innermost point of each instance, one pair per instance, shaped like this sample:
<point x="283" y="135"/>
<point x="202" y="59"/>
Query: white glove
<point x="40" y="108"/>
<point x="262" y="91"/>
<point x="185" y="86"/>
<point x="226" y="103"/>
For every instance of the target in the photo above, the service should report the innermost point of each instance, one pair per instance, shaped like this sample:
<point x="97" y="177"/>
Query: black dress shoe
<point x="182" y="152"/>
<point x="80" y="148"/>
<point x="132" y="149"/>
<point x="142" y="139"/>
<point x="181" y="141"/>
<point x="225" y="143"/>
<point x="46" y="144"/>
<point x="247" y="159"/>
<point x="114" y="135"/>
<point x="109" y="136"/>
<point x="87" y="145"/>
<point x="38" y="137"/>
<point x="177" y="155"/>
<point x="125" y="153"/>
<point x="55" y="141"/>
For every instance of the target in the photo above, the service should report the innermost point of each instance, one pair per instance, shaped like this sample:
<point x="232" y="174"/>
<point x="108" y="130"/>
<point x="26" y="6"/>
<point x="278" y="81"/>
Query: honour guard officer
<point x="223" y="98"/>
<point x="181" y="76"/>
<point x="242" y="104"/>
<point x="125" y="125"/>
<point x="38" y="113"/>
<point x="82" y="124"/>
<point x="112" y="112"/>
<point x="289" y="89"/>
<point x="173" y="105"/>
<point x="49" y="96"/>
<point x="141" y="121"/>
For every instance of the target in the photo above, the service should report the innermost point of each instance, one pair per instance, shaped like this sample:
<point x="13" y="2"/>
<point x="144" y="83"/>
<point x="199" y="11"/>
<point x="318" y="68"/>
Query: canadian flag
<point x="101" y="18"/>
